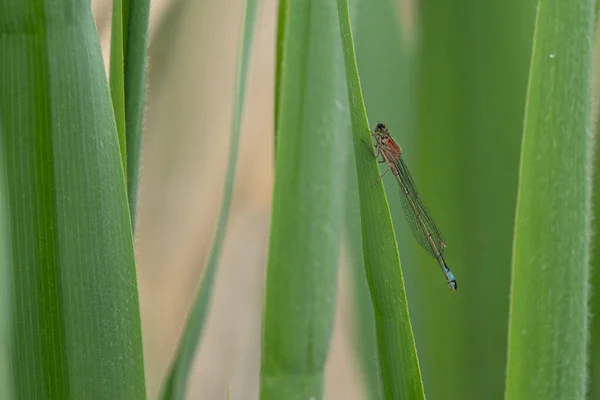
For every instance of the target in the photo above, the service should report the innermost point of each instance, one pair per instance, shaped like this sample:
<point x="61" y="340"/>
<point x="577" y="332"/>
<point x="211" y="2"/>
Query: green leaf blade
<point x="75" y="329"/>
<point x="399" y="367"/>
<point x="594" y="345"/>
<point x="136" y="17"/>
<point x="307" y="203"/>
<point x="117" y="76"/>
<point x="547" y="356"/>
<point x="5" y="281"/>
<point x="387" y="95"/>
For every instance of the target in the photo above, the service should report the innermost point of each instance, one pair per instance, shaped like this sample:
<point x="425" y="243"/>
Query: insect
<point x="420" y="221"/>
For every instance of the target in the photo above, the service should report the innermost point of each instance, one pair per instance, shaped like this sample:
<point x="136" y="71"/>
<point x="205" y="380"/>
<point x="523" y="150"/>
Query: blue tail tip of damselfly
<point x="453" y="285"/>
<point x="451" y="280"/>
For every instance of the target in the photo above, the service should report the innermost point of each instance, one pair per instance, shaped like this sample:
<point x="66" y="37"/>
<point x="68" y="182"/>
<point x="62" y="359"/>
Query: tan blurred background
<point x="193" y="48"/>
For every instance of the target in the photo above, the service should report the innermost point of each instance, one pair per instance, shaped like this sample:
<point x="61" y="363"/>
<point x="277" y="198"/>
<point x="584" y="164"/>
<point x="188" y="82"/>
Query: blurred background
<point x="449" y="79"/>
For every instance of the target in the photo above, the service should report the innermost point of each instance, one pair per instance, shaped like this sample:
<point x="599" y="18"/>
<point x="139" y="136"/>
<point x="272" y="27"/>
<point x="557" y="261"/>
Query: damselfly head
<point x="381" y="128"/>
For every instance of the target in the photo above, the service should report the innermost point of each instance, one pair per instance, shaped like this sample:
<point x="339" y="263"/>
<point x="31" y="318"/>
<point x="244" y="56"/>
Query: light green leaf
<point x="548" y="320"/>
<point x="307" y="203"/>
<point x="594" y="344"/>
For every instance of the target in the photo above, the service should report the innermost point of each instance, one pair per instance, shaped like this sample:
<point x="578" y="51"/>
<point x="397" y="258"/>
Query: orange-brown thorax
<point x="387" y="147"/>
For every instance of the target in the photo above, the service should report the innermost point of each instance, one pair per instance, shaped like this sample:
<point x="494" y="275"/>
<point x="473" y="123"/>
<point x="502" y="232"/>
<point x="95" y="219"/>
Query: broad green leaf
<point x="75" y="329"/>
<point x="311" y="131"/>
<point x="548" y="321"/>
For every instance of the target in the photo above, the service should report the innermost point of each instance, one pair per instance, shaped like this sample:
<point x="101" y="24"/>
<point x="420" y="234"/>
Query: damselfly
<point x="422" y="225"/>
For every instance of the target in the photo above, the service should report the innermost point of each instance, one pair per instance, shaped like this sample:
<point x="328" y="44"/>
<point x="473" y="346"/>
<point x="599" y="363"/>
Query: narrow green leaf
<point x="279" y="43"/>
<point x="387" y="95"/>
<point x="5" y="282"/>
<point x="136" y="15"/>
<point x="117" y="77"/>
<point x="548" y="321"/>
<point x="75" y="329"/>
<point x="399" y="367"/>
<point x="307" y="203"/>
<point x="175" y="384"/>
